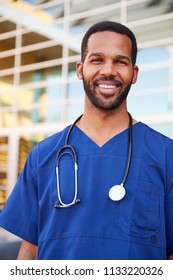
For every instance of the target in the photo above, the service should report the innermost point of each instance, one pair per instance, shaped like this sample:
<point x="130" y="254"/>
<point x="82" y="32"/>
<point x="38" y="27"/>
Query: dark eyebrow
<point x="118" y="56"/>
<point x="124" y="57"/>
<point x="96" y="54"/>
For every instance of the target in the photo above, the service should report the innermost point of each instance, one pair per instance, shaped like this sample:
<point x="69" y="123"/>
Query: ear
<point x="135" y="74"/>
<point x="79" y="69"/>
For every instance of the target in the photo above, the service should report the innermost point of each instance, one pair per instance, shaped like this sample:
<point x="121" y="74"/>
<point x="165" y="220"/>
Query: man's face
<point x="107" y="71"/>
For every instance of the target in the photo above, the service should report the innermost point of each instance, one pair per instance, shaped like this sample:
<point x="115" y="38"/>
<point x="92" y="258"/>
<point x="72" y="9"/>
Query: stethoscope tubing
<point x="61" y="152"/>
<point x="129" y="152"/>
<point x="58" y="157"/>
<point x="68" y="149"/>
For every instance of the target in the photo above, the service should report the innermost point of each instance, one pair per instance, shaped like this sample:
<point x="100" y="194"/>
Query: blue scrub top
<point x="140" y="226"/>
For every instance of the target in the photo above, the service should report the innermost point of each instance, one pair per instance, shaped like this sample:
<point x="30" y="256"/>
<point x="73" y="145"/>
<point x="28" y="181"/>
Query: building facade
<point x="39" y="90"/>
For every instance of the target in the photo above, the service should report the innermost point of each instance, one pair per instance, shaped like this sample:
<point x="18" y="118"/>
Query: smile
<point x="107" y="86"/>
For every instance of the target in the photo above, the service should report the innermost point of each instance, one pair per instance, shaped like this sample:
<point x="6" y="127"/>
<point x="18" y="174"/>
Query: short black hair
<point x="109" y="26"/>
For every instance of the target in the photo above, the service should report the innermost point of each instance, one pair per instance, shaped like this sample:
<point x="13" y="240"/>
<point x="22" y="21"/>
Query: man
<point x="134" y="220"/>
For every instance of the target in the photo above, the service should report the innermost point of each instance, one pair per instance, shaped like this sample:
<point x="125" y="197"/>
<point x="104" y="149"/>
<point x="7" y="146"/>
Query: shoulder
<point x="53" y="141"/>
<point x="155" y="142"/>
<point x="46" y="149"/>
<point x="153" y="135"/>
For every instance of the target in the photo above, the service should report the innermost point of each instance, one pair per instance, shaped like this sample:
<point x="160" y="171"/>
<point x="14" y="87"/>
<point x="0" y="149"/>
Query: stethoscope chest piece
<point x="117" y="192"/>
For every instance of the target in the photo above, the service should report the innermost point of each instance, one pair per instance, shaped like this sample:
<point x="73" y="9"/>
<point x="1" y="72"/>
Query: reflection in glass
<point x="32" y="38"/>
<point x="72" y="69"/>
<point x="50" y="112"/>
<point x="6" y="97"/>
<point x="7" y="44"/>
<point x="3" y="169"/>
<point x="149" y="9"/>
<point x="76" y="100"/>
<point x="41" y="74"/>
<point x="78" y="6"/>
<point x="42" y="54"/>
<point x="154" y="31"/>
<point x="26" y="143"/>
<point x="81" y="24"/>
<point x="166" y="129"/>
<point x="56" y="11"/>
<point x="7" y="62"/>
<point x="43" y="95"/>
<point x="7" y="26"/>
<point x="7" y="119"/>
<point x="75" y="109"/>
<point x="152" y="92"/>
<point x="7" y="80"/>
<point x="75" y="90"/>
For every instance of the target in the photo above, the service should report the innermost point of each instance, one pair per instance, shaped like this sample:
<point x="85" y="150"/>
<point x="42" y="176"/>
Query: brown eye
<point x="121" y="62"/>
<point x="96" y="60"/>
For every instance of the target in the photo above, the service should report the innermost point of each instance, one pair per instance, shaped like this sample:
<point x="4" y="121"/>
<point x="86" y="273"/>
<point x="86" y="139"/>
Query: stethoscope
<point x="116" y="193"/>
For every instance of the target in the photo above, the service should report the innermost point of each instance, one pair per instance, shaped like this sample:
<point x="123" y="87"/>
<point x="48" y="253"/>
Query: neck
<point x="101" y="126"/>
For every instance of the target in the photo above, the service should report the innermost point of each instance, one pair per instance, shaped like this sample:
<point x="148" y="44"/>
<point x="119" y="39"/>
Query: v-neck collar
<point x="118" y="139"/>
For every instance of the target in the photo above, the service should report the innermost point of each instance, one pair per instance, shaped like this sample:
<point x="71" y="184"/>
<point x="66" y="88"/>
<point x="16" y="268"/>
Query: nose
<point x="108" y="69"/>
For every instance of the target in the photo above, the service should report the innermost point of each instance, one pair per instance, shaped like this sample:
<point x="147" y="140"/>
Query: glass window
<point x="154" y="31"/>
<point x="56" y="11"/>
<point x="41" y="54"/>
<point x="58" y="29"/>
<point x="75" y="94"/>
<point x="150" y="91"/>
<point x="29" y="116"/>
<point x="73" y="52"/>
<point x="153" y="63"/>
<point x="75" y="90"/>
<point x="2" y="194"/>
<point x="53" y="91"/>
<point x="7" y="44"/>
<point x="80" y="25"/>
<point x="6" y="97"/>
<point x="149" y="78"/>
<point x="166" y="129"/>
<point x="75" y="100"/>
<point x="26" y="143"/>
<point x="7" y="119"/>
<point x="50" y="112"/>
<point x="41" y="95"/>
<point x="148" y="8"/>
<point x="148" y="103"/>
<point x="4" y="157"/>
<point x="41" y="75"/>
<point x="3" y="169"/>
<point x="7" y="26"/>
<point x="153" y="55"/>
<point x="74" y="111"/>
<point x="31" y="38"/>
<point x="6" y="80"/>
<point x="6" y="62"/>
<point x="72" y="69"/>
<point x="78" y="6"/>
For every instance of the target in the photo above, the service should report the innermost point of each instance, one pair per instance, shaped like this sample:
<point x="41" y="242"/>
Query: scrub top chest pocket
<point x="140" y="210"/>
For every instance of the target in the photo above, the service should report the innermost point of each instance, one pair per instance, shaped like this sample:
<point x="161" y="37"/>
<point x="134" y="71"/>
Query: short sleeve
<point x="20" y="213"/>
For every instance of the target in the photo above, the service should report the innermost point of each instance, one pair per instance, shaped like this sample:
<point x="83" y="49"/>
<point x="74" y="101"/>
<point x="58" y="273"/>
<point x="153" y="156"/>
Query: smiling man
<point x="108" y="193"/>
<point x="108" y="73"/>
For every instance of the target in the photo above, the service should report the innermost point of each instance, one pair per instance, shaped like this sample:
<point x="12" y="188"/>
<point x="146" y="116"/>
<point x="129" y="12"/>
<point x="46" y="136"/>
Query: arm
<point x="170" y="257"/>
<point x="27" y="251"/>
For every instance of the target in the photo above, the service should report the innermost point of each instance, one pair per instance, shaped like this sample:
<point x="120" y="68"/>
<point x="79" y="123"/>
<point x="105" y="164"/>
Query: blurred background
<point x="39" y="90"/>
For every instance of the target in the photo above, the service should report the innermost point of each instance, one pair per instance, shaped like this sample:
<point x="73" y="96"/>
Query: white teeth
<point x="107" y="86"/>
